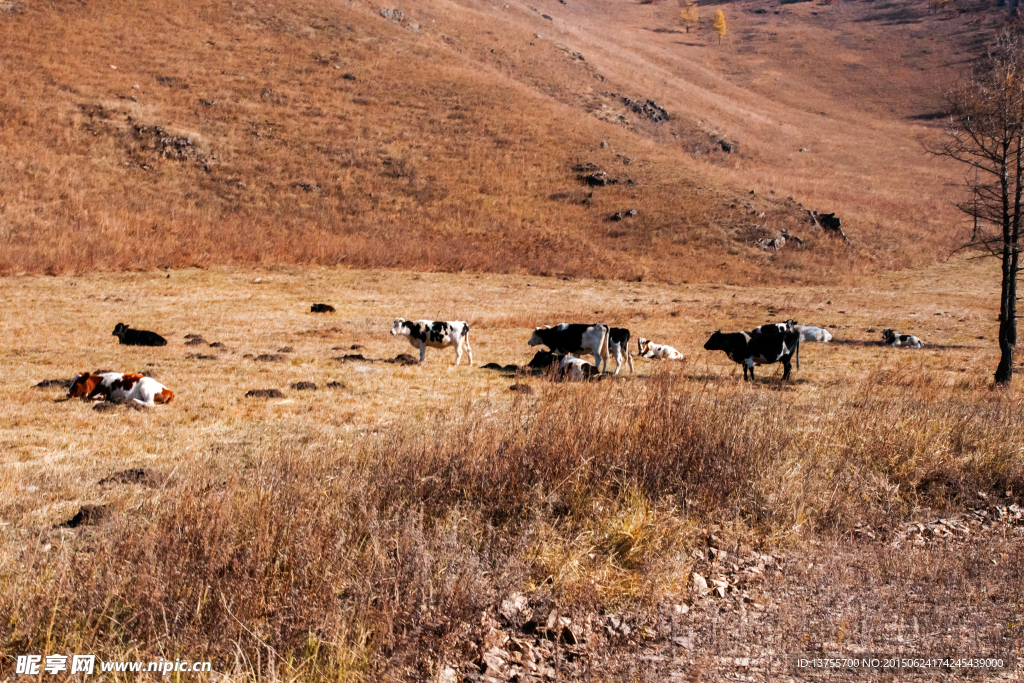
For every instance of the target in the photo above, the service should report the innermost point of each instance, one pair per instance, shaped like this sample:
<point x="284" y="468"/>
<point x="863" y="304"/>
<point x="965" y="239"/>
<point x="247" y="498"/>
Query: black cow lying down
<point x="129" y="337"/>
<point x="760" y="349"/>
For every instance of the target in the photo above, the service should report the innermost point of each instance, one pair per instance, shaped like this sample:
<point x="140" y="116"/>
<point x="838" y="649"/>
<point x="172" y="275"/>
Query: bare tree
<point x="986" y="132"/>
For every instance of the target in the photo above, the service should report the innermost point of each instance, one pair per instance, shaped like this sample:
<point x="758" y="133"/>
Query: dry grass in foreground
<point x="360" y="531"/>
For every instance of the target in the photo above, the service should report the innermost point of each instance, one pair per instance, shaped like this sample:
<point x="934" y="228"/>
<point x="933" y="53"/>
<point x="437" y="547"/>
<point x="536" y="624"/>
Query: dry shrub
<point x="373" y="558"/>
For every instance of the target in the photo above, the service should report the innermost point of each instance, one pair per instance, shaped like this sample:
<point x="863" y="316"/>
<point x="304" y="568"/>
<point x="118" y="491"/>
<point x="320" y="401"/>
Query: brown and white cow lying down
<point x="119" y="388"/>
<point x="649" y="349"/>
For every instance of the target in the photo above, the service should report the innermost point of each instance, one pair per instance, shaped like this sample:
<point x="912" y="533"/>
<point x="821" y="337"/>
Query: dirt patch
<point x="87" y="515"/>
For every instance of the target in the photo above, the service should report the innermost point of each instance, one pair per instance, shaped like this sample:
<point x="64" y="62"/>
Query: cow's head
<point x="119" y="329"/>
<point x="400" y="327"/>
<point x="83" y="384"/>
<point x="642" y="345"/>
<point x="543" y="359"/>
<point x="888" y="336"/>
<point x="716" y="343"/>
<point x="791" y="325"/>
<point x="535" y="339"/>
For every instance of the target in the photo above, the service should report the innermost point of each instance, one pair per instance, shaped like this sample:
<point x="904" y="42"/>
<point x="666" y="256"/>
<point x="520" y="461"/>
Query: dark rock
<point x="727" y="147"/>
<point x="135" y="475"/>
<point x="351" y="357"/>
<point x="47" y="383"/>
<point x="217" y="345"/>
<point x="355" y="347"/>
<point x="521" y="388"/>
<point x="405" y="359"/>
<point x="348" y="76"/>
<point x="270" y="357"/>
<point x="195" y="340"/>
<point x="304" y="386"/>
<point x="199" y="356"/>
<point x="264" y="393"/>
<point x="87" y="515"/>
<point x="336" y="385"/>
<point x="650" y="109"/>
<point x="321" y="308"/>
<point x="286" y="349"/>
<point x="598" y="179"/>
<point x="544" y="16"/>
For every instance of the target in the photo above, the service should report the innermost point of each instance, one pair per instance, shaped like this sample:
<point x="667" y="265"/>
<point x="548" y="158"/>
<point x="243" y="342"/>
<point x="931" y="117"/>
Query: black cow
<point x="761" y="349"/>
<point x="564" y="339"/>
<point x="130" y="337"/>
<point x="542" y="360"/>
<point x="777" y="329"/>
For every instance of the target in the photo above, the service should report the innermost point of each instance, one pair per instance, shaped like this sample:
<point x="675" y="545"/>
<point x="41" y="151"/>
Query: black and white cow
<point x="649" y="349"/>
<point x="779" y="329"/>
<point x="572" y="368"/>
<point x="760" y="349"/>
<point x="436" y="334"/>
<point x="129" y="337"/>
<point x="618" y="345"/>
<point x="906" y="340"/>
<point x="564" y="338"/>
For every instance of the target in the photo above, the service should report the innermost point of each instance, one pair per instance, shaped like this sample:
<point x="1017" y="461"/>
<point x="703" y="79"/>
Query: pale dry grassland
<point x="359" y="531"/>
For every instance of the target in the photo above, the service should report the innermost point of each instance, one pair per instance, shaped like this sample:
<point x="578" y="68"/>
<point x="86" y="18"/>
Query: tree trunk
<point x="1007" y="316"/>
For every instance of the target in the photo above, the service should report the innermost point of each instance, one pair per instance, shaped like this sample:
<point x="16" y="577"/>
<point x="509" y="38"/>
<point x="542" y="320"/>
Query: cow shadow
<point x="856" y="343"/>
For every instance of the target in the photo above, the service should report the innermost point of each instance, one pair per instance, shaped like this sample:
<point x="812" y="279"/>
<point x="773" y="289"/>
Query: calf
<point x="130" y="337"/>
<point x="907" y="340"/>
<point x="119" y="388"/>
<point x="618" y="345"/>
<point x="761" y="349"/>
<point x="435" y="334"/>
<point x="564" y="338"/>
<point x="573" y="368"/>
<point x="542" y="360"/>
<point x="649" y="349"/>
<point x="813" y="334"/>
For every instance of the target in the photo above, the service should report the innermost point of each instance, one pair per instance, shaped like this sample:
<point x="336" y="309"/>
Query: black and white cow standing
<point x="564" y="338"/>
<point x="436" y="334"/>
<point x="760" y="349"/>
<point x="618" y="345"/>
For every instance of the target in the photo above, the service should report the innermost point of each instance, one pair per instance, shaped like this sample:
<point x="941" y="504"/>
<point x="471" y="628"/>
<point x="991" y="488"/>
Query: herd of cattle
<point x="764" y="345"/>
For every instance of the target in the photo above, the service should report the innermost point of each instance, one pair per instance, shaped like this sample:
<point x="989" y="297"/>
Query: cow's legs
<point x="597" y="361"/>
<point x="423" y="351"/>
<point x="458" y="352"/>
<point x="465" y="340"/>
<point x="629" y="357"/>
<point x="748" y="364"/>
<point x="787" y="365"/>
<point x="618" y="360"/>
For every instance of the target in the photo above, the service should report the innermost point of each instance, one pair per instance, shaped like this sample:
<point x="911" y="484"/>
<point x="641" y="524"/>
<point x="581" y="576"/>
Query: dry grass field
<point x="208" y="170"/>
<point x="361" y="530"/>
<point x="169" y="134"/>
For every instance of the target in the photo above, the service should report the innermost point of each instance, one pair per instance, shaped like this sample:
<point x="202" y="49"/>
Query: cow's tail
<point x="796" y="351"/>
<point x="607" y="333"/>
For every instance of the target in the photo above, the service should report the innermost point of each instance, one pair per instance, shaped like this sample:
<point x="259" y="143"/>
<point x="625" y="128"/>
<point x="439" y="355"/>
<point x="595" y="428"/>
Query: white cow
<point x="906" y="340"/>
<point x="119" y="388"/>
<point x="649" y="349"/>
<point x="814" y="334"/>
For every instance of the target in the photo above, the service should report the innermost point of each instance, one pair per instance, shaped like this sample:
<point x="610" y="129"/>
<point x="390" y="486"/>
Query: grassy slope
<point x="443" y="148"/>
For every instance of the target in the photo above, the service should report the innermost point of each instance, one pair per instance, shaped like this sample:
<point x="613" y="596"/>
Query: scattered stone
<point x="700" y="584"/>
<point x="217" y="345"/>
<point x="336" y="385"/>
<point x="351" y="358"/>
<point x="727" y="146"/>
<point x="195" y="340"/>
<point x="322" y="308"/>
<point x="649" y="109"/>
<point x="395" y="15"/>
<point x="264" y="393"/>
<point x="87" y="515"/>
<point x="404" y="359"/>
<point x="199" y="356"/>
<point x="135" y="475"/>
<point x="355" y="346"/>
<point x="599" y="179"/>
<point x="349" y="76"/>
<point x="286" y="349"/>
<point x="304" y="386"/>
<point x="514" y="607"/>
<point x="828" y="222"/>
<point x="270" y="357"/>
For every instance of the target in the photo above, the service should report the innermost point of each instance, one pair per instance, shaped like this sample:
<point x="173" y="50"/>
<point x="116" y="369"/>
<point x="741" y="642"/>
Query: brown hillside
<point x="166" y="134"/>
